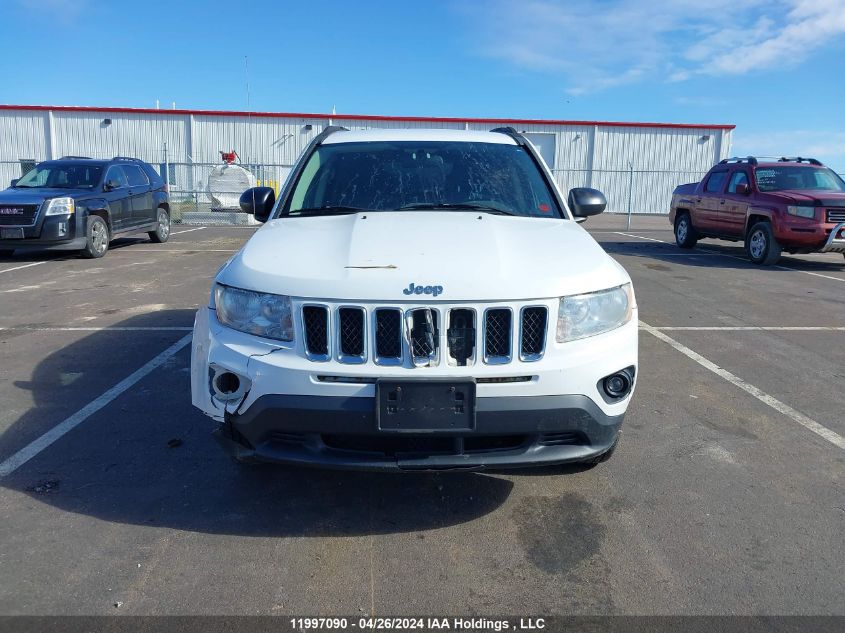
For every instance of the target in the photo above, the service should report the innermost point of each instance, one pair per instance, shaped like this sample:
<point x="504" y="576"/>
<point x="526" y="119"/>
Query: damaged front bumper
<point x="286" y="411"/>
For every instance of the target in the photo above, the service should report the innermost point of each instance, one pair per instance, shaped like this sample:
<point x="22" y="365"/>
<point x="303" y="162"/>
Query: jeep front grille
<point x="315" y="324"/>
<point x="836" y="215"/>
<point x="424" y="336"/>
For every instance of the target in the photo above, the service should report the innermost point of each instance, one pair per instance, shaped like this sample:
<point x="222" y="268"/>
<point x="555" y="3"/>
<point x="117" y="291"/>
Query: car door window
<point x="115" y="174"/>
<point x="715" y="182"/>
<point x="135" y="176"/>
<point x="738" y="178"/>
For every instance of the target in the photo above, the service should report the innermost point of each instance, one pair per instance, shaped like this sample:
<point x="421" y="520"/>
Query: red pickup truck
<point x="795" y="205"/>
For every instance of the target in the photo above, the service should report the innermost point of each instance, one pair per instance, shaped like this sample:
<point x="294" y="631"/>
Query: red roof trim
<point x="365" y="117"/>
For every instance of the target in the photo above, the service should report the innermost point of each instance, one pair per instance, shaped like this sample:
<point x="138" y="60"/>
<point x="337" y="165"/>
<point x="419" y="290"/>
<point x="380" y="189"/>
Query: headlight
<point x="60" y="206"/>
<point x="802" y="212"/>
<point x="254" y="312"/>
<point x="589" y="314"/>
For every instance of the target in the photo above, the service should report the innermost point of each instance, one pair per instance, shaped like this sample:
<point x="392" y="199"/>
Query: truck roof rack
<point x="134" y="160"/>
<point x="509" y="131"/>
<point x="751" y="160"/>
<point x="799" y="159"/>
<point x="75" y="158"/>
<point x="328" y="131"/>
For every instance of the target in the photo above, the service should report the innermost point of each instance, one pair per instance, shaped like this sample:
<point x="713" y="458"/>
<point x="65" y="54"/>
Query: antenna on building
<point x="174" y="105"/>
<point x="248" y="122"/>
<point x="157" y="104"/>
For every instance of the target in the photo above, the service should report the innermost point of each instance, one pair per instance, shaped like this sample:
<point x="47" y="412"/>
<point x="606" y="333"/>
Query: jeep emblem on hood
<point x="423" y="290"/>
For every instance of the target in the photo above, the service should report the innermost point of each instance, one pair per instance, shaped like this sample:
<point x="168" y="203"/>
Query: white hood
<point x="375" y="256"/>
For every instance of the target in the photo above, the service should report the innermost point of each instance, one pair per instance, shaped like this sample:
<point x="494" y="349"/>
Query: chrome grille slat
<point x="351" y="335"/>
<point x="315" y="324"/>
<point x="388" y="336"/>
<point x="836" y="215"/>
<point x="533" y="325"/>
<point x="498" y="334"/>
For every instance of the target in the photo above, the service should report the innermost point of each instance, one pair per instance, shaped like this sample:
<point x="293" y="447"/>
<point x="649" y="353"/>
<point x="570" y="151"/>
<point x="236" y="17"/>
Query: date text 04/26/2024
<point x="416" y="624"/>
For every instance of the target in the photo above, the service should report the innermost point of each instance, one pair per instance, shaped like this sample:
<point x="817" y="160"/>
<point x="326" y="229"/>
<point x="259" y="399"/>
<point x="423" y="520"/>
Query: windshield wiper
<point x="328" y="210"/>
<point x="457" y="206"/>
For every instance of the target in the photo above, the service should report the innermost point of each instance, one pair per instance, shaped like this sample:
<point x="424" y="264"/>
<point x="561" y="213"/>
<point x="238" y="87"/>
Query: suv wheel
<point x="685" y="235"/>
<point x="97" y="242"/>
<point x="162" y="231"/>
<point x="761" y="245"/>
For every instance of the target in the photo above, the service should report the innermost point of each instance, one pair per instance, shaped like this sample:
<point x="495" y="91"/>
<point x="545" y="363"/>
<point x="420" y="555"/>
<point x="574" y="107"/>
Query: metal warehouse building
<point x="636" y="165"/>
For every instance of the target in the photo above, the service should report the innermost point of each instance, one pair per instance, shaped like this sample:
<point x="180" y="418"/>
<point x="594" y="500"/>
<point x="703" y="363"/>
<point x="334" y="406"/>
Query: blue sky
<point x="774" y="68"/>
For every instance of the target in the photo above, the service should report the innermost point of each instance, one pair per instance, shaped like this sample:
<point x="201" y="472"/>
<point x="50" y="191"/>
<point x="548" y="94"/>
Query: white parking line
<point x="822" y="431"/>
<point x="8" y="270"/>
<point x="31" y="450"/>
<point x="750" y="328"/>
<point x="199" y="228"/>
<point x="105" y="328"/>
<point x="742" y="259"/>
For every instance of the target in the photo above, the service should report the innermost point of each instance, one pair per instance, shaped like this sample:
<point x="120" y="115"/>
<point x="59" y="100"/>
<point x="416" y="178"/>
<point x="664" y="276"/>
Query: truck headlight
<point x="802" y="212"/>
<point x="256" y="313"/>
<point x="593" y="313"/>
<point x="60" y="206"/>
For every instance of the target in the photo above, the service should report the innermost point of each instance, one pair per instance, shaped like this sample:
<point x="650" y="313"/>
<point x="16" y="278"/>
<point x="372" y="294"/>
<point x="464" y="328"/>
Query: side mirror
<point x="584" y="202"/>
<point x="259" y="202"/>
<point x="14" y="182"/>
<point x="743" y="189"/>
<point x="110" y="185"/>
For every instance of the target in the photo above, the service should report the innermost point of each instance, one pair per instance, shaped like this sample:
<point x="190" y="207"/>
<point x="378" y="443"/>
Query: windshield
<point x="62" y="176"/>
<point x="412" y="176"/>
<point x="797" y="178"/>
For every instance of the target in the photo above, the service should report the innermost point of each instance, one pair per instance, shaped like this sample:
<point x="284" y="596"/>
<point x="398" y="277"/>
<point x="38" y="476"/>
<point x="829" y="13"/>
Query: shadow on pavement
<point x="714" y="256"/>
<point x="148" y="458"/>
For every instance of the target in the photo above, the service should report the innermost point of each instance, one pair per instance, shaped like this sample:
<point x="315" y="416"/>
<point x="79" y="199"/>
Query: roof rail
<point x="328" y="131"/>
<point x="135" y="160"/>
<point x="739" y="159"/>
<point x="799" y="159"/>
<point x="76" y="158"/>
<point x="509" y="131"/>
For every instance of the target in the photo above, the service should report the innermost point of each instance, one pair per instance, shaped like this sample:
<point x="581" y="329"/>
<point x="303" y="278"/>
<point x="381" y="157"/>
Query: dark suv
<point x="795" y="205"/>
<point x="79" y="204"/>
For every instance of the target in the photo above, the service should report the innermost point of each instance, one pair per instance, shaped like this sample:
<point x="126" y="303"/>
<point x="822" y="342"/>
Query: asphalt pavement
<point x="726" y="496"/>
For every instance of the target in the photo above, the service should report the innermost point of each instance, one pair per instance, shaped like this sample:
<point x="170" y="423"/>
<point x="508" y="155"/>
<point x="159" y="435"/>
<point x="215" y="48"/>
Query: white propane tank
<point x="226" y="183"/>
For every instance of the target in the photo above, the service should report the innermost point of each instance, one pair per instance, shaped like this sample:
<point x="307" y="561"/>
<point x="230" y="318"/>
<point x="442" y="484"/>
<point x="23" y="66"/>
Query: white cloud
<point x="62" y="10"/>
<point x="596" y="45"/>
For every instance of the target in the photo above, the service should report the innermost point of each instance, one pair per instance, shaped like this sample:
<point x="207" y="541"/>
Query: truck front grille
<point x="18" y="214"/>
<point x="424" y="336"/>
<point x="836" y="215"/>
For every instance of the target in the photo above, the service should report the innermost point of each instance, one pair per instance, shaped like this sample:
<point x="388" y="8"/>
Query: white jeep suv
<point x="418" y="299"/>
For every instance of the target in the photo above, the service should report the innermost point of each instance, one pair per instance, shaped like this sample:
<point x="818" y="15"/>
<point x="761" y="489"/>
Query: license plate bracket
<point x="11" y="234"/>
<point x="425" y="406"/>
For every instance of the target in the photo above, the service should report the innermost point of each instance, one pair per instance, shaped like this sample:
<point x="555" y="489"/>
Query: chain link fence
<point x="197" y="198"/>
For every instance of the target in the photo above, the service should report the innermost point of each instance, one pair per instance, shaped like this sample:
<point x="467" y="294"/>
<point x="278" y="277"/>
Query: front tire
<point x="97" y="238"/>
<point x="685" y="235"/>
<point x="761" y="246"/>
<point x="162" y="232"/>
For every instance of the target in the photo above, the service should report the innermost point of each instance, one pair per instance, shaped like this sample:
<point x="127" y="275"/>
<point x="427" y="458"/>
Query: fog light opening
<point x="619" y="384"/>
<point x="227" y="382"/>
<point x="227" y="385"/>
